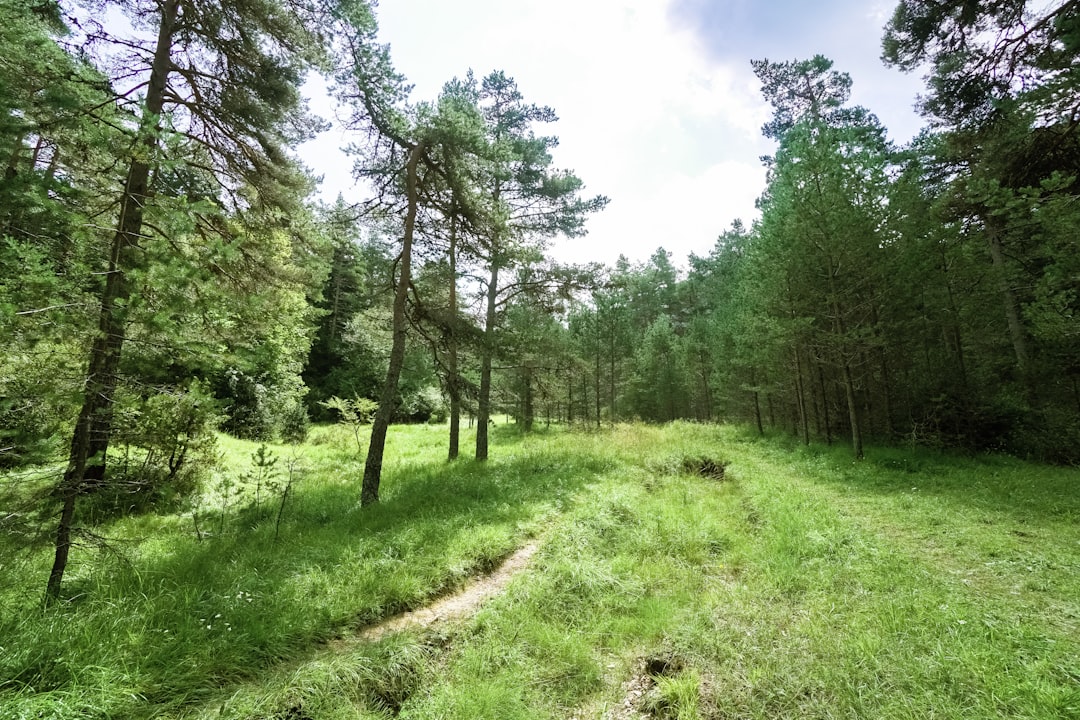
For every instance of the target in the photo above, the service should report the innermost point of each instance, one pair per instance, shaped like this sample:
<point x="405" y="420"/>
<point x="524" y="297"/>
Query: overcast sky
<point x="658" y="107"/>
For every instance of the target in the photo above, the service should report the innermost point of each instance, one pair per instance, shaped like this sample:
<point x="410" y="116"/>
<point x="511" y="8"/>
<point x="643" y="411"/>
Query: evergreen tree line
<point x="166" y="273"/>
<point x="925" y="293"/>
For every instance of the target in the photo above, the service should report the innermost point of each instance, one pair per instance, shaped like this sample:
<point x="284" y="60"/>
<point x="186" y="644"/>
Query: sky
<point x="658" y="107"/>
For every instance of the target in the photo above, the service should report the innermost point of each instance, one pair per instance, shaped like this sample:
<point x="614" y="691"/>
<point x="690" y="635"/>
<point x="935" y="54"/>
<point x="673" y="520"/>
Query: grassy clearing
<point x="172" y="619"/>
<point x="907" y="586"/>
<point x="911" y="585"/>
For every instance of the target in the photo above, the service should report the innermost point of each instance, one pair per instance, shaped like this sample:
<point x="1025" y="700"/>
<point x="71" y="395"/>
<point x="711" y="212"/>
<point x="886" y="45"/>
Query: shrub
<point x="248" y="412"/>
<point x="426" y="404"/>
<point x="168" y="446"/>
<point x="295" y="422"/>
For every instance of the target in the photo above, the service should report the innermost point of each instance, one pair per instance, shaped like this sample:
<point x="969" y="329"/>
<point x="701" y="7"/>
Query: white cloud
<point x="648" y="117"/>
<point x="683" y="213"/>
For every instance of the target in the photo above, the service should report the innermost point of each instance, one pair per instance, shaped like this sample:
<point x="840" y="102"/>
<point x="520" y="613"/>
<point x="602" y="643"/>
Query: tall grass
<point x="169" y="618"/>
<point x="801" y="584"/>
<point x="912" y="585"/>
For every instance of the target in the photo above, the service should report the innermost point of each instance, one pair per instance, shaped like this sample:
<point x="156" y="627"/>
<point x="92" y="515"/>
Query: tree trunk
<point x="815" y="402"/>
<point x="369" y="492"/>
<point x="63" y="546"/>
<point x="569" y="396"/>
<point x="584" y="398"/>
<point x="844" y="362"/>
<point x="1008" y="298"/>
<point x="706" y="383"/>
<point x="853" y="412"/>
<point x="757" y="401"/>
<point x="453" y="384"/>
<point x="800" y="396"/>
<point x="339" y="261"/>
<point x="954" y="341"/>
<point x="93" y="429"/>
<point x="527" y="401"/>
<point x="611" y="376"/>
<point x="483" y="413"/>
<point x="54" y="163"/>
<point x="596" y="378"/>
<point x="886" y="396"/>
<point x="800" y="399"/>
<point x="825" y="406"/>
<point x="17" y="149"/>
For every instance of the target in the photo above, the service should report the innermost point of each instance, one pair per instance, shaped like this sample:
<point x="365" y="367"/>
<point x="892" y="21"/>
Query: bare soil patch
<point x="459" y="604"/>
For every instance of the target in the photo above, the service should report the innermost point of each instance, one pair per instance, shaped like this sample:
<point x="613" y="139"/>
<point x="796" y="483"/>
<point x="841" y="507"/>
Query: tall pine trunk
<point x="825" y="406"/>
<point x="800" y="399"/>
<point x="453" y="382"/>
<point x="483" y="409"/>
<point x="93" y="429"/>
<point x="1017" y="335"/>
<point x="757" y="401"/>
<point x="527" y="410"/>
<point x="853" y="411"/>
<point x="844" y="362"/>
<point x="596" y="376"/>
<point x="611" y="376"/>
<point x="369" y="492"/>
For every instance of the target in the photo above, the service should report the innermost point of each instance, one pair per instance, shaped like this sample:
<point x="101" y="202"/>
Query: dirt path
<point x="460" y="603"/>
<point x="449" y="607"/>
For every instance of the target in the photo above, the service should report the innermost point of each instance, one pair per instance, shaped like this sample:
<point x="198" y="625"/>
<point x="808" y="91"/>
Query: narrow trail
<point x="450" y="607"/>
<point x="459" y="604"/>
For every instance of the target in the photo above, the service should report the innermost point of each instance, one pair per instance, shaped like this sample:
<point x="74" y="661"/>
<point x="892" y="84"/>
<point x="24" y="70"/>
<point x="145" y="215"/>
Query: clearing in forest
<point x="794" y="583"/>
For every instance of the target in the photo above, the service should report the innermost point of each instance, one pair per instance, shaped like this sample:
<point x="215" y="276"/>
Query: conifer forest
<point x="170" y="282"/>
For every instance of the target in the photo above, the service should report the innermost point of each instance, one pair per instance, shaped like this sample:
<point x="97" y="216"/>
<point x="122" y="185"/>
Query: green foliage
<point x="262" y="409"/>
<point x="295" y="423"/>
<point x="660" y="381"/>
<point x="353" y="413"/>
<point x="350" y="344"/>
<point x="802" y="90"/>
<point x="263" y="474"/>
<point x="33" y="405"/>
<point x="357" y="411"/>
<point x="425" y="405"/>
<point x="249" y="410"/>
<point x="167" y="449"/>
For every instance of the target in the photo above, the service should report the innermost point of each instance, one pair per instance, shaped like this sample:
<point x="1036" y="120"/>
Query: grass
<point x="801" y="584"/>
<point x="171" y="619"/>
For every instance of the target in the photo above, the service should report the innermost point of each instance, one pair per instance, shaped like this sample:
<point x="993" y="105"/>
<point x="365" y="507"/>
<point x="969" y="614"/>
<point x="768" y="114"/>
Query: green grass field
<point x="801" y="585"/>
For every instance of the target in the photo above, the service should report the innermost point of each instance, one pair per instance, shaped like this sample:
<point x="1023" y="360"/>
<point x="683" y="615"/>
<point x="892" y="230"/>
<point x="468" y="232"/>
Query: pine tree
<point x="214" y="90"/>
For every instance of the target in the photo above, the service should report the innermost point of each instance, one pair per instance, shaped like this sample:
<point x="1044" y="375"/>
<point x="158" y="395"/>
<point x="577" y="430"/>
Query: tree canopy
<point x="167" y="273"/>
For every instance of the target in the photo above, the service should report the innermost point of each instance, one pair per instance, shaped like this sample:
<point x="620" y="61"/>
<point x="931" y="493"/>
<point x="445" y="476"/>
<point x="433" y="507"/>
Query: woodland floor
<point x="637" y="572"/>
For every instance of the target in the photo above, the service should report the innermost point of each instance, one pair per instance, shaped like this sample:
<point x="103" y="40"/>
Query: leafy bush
<point x="168" y="446"/>
<point x="295" y="422"/>
<point x="426" y="404"/>
<point x="248" y="412"/>
<point x="355" y="413"/>
<point x="27" y="431"/>
<point x="35" y="404"/>
<point x="261" y="408"/>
